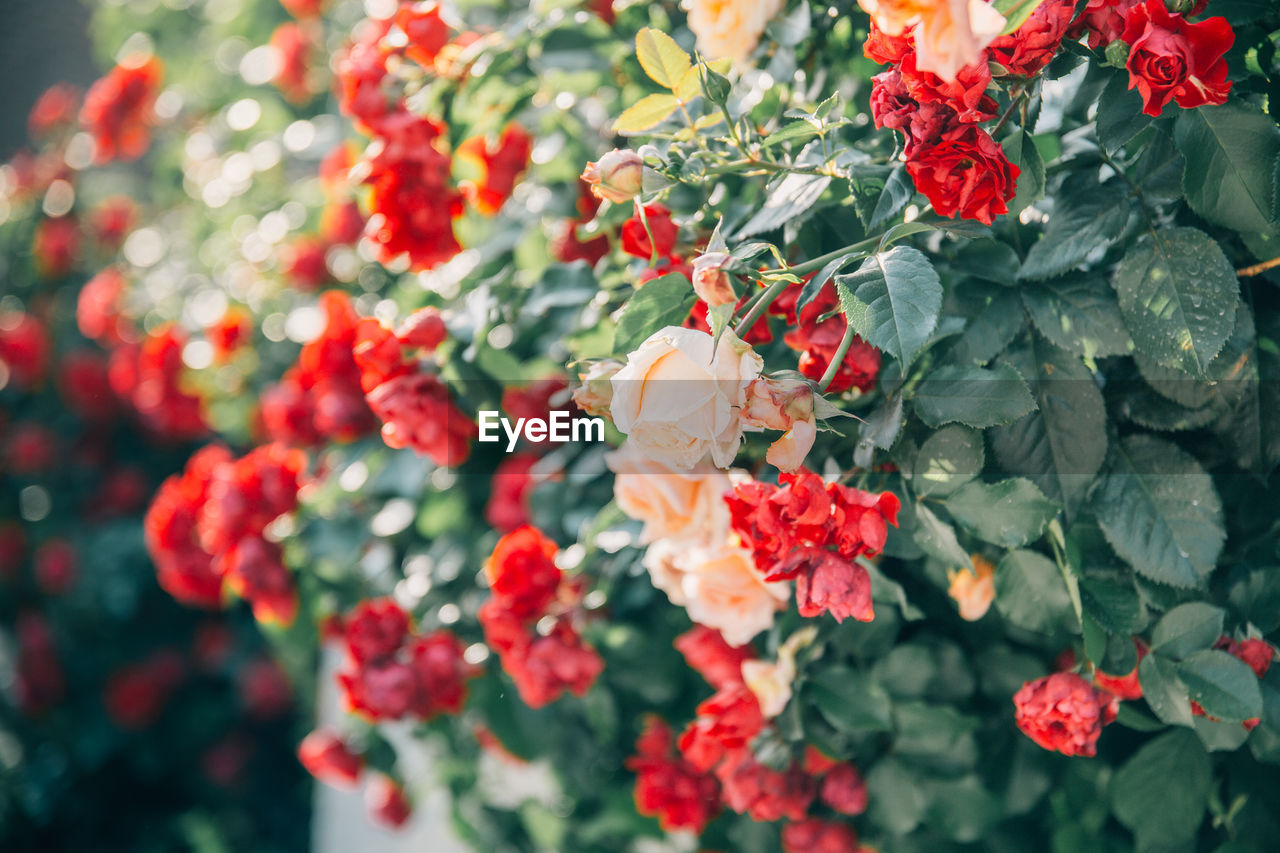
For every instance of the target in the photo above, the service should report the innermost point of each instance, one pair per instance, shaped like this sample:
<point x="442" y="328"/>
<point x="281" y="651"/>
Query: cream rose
<point x="723" y="590"/>
<point x="672" y="504"/>
<point x="949" y="35"/>
<point x="729" y="29"/>
<point x="677" y="400"/>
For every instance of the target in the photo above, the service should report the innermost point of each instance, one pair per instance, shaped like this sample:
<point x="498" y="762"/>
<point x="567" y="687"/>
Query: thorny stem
<point x="1258" y="269"/>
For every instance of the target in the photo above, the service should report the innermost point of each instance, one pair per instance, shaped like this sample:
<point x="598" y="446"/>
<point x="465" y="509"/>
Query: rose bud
<point x="594" y="393"/>
<point x="616" y="176"/>
<point x="783" y="404"/>
<point x="710" y="281"/>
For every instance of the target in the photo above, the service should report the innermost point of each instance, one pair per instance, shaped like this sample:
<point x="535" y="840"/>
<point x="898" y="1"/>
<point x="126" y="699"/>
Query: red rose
<point x="1104" y="19"/>
<point x="441" y="673"/>
<point x="833" y="585"/>
<point x="844" y="790"/>
<point x="965" y="173"/>
<point x="328" y="758"/>
<point x="375" y="630"/>
<point x="497" y="167"/>
<point x="1063" y="712"/>
<point x="668" y="787"/>
<point x="508" y="506"/>
<point x="1029" y="48"/>
<point x="1173" y="59"/>
<point x="522" y="572"/>
<point x="635" y="240"/>
<point x="254" y="570"/>
<point x="56" y="246"/>
<point x="293" y="44"/>
<point x="966" y="94"/>
<point x="425" y="30"/>
<point x="819" y="836"/>
<point x="765" y="794"/>
<point x="1124" y="686"/>
<point x="118" y="109"/>
<point x="387" y="802"/>
<point x="423" y="329"/>
<point x="417" y="411"/>
<point x="707" y="653"/>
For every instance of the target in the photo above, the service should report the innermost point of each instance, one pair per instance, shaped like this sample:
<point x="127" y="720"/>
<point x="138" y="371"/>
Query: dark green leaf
<point x="850" y="701"/>
<point x="1031" y="593"/>
<point x="1178" y="295"/>
<point x="937" y="539"/>
<point x="1160" y="512"/>
<point x="897" y="800"/>
<point x="1231" y="152"/>
<point x="975" y="396"/>
<point x="793" y="195"/>
<point x="1223" y="685"/>
<point x="950" y="458"/>
<point x="1080" y="224"/>
<point x="990" y="328"/>
<point x="892" y="301"/>
<point x="665" y="301"/>
<point x="1022" y="152"/>
<point x="1165" y="694"/>
<point x="879" y="192"/>
<point x="1161" y="792"/>
<point x="1115" y="605"/>
<point x="1010" y="513"/>
<point x="1120" y="115"/>
<point x="1187" y="628"/>
<point x="1081" y="315"/>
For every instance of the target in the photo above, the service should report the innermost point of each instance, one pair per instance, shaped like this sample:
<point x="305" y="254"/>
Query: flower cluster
<point x="668" y="786"/>
<point x="813" y="532"/>
<point x="415" y="407"/>
<point x="1064" y="713"/>
<point x="413" y="199"/>
<point x="206" y="529"/>
<point x="817" y="336"/>
<point x="529" y="620"/>
<point x="320" y="396"/>
<point x="392" y="673"/>
<point x="720" y="740"/>
<point x="118" y="108"/>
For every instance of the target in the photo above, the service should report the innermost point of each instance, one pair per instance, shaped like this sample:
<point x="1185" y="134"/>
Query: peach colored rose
<point x="785" y="404"/>
<point x="672" y="504"/>
<point x="729" y="29"/>
<point x="949" y="34"/>
<point x="617" y="176"/>
<point x="710" y="281"/>
<point x="662" y="560"/>
<point x="973" y="591"/>
<point x="594" y="391"/>
<point x="771" y="681"/>
<point x="677" y="400"/>
<point x="723" y="590"/>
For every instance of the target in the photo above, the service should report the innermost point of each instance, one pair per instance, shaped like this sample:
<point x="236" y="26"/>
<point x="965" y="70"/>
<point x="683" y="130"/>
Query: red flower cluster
<point x="56" y="246"/>
<point x="508" y="506"/>
<point x="98" y="313"/>
<point x="117" y="109"/>
<point x="229" y="332"/>
<point x="718" y="742"/>
<point x="393" y="673"/>
<point x="812" y="532"/>
<point x="24" y="349"/>
<point x="320" y="397"/>
<point x="497" y="167"/>
<point x="817" y="341"/>
<point x="205" y="528"/>
<point x="303" y="262"/>
<point x="635" y="239"/>
<point x="820" y="836"/>
<point x="39" y="681"/>
<point x="415" y="408"/>
<point x="111" y="221"/>
<point x="387" y="802"/>
<point x="528" y="620"/>
<point x="1063" y="712"/>
<point x="149" y="377"/>
<point x="1028" y="49"/>
<point x="669" y="787"/>
<point x="1172" y="59"/>
<point x="55" y="564"/>
<point x="957" y="165"/>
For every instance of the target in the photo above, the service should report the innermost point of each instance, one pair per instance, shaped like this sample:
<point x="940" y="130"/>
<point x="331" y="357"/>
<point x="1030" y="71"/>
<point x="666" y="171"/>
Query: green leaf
<point x="990" y="329"/>
<point x="1115" y="605"/>
<point x="975" y="396"/>
<point x="1160" y="512"/>
<point x="897" y="799"/>
<point x="664" y="301"/>
<point x="1022" y="152"/>
<point x="1231" y="156"/>
<point x="879" y="429"/>
<point x="1080" y="224"/>
<point x="1223" y="685"/>
<point x="1164" y="693"/>
<point x="1250" y="426"/>
<point x="1161" y="792"/>
<point x="1081" y="315"/>
<point x="879" y="192"/>
<point x="893" y="301"/>
<point x="850" y="701"/>
<point x="1178" y="294"/>
<point x="1010" y="513"/>
<point x="793" y="195"/>
<point x="1131" y="718"/>
<point x="1062" y="444"/>
<point x="1015" y="12"/>
<point x="1031" y="593"/>
<point x="950" y="458"/>
<point x="1120" y="115"/>
<point x="938" y="539"/>
<point x="661" y="58"/>
<point x="646" y="113"/>
<point x="1186" y="629"/>
<point x="795" y="131"/>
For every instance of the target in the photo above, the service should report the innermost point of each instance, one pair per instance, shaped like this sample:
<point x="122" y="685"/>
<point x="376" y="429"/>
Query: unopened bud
<point x="1117" y="54"/>
<point x="617" y="176"/>
<point x="710" y="281"/>
<point x="594" y="392"/>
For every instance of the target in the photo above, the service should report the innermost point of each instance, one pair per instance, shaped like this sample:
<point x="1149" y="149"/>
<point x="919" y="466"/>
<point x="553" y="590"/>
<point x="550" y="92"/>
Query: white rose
<point x="729" y="29"/>
<point x="677" y="400"/>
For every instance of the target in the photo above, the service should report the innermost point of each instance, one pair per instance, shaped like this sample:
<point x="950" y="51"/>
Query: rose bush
<point x="937" y="346"/>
